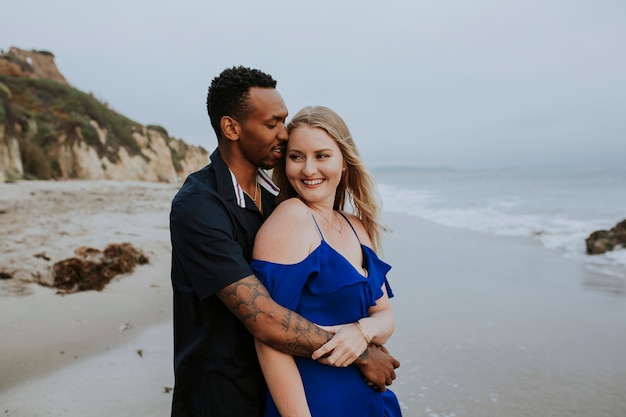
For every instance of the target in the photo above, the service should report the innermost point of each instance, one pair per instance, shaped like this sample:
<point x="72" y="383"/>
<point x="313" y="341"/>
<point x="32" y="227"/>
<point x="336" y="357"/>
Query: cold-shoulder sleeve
<point x="285" y="282"/>
<point x="325" y="288"/>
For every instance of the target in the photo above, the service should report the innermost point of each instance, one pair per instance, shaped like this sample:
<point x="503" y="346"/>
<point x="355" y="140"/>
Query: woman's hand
<point x="347" y="344"/>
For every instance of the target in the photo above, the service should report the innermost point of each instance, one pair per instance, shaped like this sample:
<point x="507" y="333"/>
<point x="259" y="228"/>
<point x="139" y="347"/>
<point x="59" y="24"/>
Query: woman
<point x="319" y="261"/>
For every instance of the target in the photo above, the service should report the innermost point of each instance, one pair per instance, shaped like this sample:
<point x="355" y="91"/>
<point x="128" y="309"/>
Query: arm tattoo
<point x="246" y="298"/>
<point x="243" y="297"/>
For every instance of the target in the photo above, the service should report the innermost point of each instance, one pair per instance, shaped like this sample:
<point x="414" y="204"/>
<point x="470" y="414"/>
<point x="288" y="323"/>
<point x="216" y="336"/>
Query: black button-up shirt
<point x="215" y="365"/>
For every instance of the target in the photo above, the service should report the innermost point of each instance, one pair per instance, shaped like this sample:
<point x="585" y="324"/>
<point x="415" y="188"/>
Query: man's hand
<point x="378" y="367"/>
<point x="346" y="346"/>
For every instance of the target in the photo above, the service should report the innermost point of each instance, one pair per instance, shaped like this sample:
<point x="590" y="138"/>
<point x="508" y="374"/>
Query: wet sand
<point x="486" y="326"/>
<point x="496" y="326"/>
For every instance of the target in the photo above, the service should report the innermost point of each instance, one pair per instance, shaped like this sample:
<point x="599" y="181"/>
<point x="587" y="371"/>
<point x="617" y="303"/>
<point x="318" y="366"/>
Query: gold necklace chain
<point x="256" y="193"/>
<point x="340" y="229"/>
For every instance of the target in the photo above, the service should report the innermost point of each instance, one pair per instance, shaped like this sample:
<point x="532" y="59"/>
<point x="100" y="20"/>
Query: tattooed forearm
<point x="249" y="300"/>
<point x="306" y="337"/>
<point x="286" y="320"/>
<point x="244" y="298"/>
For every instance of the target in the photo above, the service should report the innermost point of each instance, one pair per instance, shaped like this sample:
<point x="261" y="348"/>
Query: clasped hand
<point x="347" y="344"/>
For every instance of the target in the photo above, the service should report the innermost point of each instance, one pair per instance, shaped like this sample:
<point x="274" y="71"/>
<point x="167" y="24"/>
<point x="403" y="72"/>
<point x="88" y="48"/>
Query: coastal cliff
<point x="48" y="129"/>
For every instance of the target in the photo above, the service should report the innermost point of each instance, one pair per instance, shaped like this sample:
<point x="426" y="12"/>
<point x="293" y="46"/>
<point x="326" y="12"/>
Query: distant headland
<point x="51" y="130"/>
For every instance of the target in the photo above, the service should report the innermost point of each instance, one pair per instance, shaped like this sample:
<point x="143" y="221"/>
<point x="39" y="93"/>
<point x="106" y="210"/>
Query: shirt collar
<point x="264" y="181"/>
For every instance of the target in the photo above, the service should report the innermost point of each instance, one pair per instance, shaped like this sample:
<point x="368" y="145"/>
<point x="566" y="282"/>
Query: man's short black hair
<point x="229" y="92"/>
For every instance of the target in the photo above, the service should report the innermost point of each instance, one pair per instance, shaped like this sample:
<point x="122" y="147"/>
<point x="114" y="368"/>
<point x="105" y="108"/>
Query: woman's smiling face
<point x="314" y="164"/>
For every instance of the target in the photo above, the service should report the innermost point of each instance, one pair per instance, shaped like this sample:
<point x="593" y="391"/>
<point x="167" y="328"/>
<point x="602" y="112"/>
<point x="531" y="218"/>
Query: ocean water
<point x="558" y="207"/>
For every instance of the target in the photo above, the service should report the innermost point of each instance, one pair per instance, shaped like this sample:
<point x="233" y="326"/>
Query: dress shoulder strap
<point x="318" y="227"/>
<point x="352" y="227"/>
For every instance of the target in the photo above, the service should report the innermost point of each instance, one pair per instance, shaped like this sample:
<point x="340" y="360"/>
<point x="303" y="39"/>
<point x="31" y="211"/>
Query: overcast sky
<point x="466" y="84"/>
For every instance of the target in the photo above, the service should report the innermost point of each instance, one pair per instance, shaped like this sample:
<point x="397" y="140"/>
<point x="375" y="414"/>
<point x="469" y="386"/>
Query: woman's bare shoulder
<point x="292" y="209"/>
<point x="286" y="235"/>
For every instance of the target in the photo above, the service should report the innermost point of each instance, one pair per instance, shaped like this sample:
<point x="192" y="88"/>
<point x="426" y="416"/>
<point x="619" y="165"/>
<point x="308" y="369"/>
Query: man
<point x="219" y="305"/>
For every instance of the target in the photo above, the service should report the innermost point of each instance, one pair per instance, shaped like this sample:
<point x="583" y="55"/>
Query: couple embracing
<point x="281" y="305"/>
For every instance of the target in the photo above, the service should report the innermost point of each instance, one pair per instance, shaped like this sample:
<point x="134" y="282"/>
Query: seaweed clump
<point x="93" y="269"/>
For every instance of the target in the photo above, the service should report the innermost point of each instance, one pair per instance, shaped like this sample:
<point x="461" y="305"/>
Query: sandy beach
<point x="486" y="325"/>
<point x="79" y="354"/>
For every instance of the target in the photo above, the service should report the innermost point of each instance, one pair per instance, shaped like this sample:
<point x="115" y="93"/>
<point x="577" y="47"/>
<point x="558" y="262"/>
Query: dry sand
<point x="486" y="326"/>
<point x="84" y="354"/>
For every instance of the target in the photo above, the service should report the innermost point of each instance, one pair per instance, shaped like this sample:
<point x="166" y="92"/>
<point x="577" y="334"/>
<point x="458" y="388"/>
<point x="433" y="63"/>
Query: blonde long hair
<point x="357" y="186"/>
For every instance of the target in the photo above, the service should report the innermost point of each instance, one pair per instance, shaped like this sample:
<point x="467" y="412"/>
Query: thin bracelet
<point x="367" y="338"/>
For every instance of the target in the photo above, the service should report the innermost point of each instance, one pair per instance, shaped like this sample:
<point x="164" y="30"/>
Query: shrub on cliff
<point x="36" y="164"/>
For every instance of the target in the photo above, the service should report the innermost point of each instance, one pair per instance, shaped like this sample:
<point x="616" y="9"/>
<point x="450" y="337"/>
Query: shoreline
<point x="485" y="325"/>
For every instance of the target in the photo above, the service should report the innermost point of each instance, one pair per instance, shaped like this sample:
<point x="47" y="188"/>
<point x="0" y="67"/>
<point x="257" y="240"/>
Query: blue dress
<point x="326" y="289"/>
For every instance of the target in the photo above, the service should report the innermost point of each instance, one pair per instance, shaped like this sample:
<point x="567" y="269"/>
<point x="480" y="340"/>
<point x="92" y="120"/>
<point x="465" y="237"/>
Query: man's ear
<point x="230" y="128"/>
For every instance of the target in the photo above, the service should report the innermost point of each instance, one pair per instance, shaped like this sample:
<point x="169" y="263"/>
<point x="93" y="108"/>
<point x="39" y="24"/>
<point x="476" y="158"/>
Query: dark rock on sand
<point x="602" y="241"/>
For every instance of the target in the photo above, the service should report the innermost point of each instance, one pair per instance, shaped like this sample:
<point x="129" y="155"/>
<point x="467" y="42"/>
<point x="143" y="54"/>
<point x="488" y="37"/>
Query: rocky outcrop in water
<point x="602" y="241"/>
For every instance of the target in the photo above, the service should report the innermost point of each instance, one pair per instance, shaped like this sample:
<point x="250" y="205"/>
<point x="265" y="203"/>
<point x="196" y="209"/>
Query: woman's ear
<point x="230" y="128"/>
